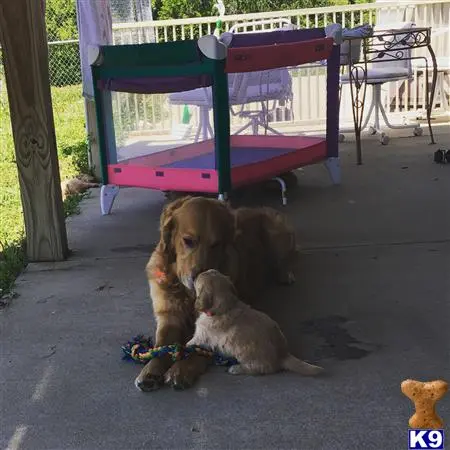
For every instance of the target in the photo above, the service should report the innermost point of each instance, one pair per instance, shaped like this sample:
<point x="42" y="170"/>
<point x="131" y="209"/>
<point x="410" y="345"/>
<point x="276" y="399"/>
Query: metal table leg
<point x="430" y="97"/>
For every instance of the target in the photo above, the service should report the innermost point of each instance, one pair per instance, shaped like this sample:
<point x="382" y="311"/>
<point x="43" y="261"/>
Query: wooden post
<point x="25" y="52"/>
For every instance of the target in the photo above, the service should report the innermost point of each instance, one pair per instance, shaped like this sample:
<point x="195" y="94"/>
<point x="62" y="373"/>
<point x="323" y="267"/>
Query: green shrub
<point x="61" y="20"/>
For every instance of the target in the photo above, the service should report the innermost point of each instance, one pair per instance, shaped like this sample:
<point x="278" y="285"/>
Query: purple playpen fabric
<point x="239" y="156"/>
<point x="155" y="85"/>
<point x="280" y="36"/>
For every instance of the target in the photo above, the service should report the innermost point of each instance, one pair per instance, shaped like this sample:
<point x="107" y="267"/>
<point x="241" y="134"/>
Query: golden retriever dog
<point x="250" y="245"/>
<point x="77" y="185"/>
<point x="233" y="328"/>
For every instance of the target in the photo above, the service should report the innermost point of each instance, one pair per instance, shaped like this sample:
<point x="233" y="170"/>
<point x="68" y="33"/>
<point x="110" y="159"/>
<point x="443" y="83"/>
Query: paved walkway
<point x="371" y="305"/>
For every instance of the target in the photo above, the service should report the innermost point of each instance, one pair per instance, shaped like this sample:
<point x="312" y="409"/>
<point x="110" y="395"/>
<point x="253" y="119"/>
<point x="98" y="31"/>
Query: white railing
<point x="151" y="112"/>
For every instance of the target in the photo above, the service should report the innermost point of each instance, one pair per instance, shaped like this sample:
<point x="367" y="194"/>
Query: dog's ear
<point x="228" y="220"/>
<point x="166" y="226"/>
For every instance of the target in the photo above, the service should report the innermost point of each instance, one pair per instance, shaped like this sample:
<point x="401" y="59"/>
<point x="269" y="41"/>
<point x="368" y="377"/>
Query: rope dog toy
<point x="141" y="350"/>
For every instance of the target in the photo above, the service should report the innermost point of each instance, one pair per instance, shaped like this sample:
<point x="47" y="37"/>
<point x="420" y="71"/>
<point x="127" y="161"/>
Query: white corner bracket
<point x="212" y="47"/>
<point x="94" y="55"/>
<point x="334" y="169"/>
<point x="334" y="30"/>
<point x="226" y="37"/>
<point x="108" y="193"/>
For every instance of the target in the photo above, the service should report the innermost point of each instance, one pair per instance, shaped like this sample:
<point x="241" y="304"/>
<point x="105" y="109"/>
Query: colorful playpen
<point x="220" y="77"/>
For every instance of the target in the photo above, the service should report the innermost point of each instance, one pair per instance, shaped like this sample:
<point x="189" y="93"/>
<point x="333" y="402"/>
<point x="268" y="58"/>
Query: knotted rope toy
<point x="141" y="350"/>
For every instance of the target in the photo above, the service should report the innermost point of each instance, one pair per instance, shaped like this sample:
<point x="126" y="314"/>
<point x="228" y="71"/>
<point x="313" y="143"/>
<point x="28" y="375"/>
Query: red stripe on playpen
<point x="164" y="179"/>
<point x="263" y="57"/>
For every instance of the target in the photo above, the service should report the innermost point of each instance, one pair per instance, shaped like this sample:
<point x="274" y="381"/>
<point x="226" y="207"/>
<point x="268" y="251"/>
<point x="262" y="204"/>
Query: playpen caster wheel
<point x="384" y="139"/>
<point x="372" y="131"/>
<point x="418" y="131"/>
<point x="341" y="137"/>
<point x="290" y="179"/>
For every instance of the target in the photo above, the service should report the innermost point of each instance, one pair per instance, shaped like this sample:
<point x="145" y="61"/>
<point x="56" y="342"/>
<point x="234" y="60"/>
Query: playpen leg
<point x="210" y="130"/>
<point x="199" y="129"/>
<point x="108" y="193"/>
<point x="283" y="189"/>
<point x="206" y="124"/>
<point x="334" y="169"/>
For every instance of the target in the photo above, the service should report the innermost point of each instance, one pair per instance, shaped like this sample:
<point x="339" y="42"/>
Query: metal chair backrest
<point x="391" y="44"/>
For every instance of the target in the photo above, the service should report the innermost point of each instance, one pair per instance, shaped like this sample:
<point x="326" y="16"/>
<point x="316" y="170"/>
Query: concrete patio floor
<point x="371" y="304"/>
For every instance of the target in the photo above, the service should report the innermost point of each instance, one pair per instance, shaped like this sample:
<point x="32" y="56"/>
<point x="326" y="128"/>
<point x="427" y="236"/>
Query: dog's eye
<point x="188" y="242"/>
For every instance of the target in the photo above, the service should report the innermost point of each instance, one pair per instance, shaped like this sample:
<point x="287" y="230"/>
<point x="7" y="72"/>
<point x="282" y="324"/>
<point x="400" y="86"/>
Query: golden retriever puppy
<point x="250" y="245"/>
<point x="233" y="328"/>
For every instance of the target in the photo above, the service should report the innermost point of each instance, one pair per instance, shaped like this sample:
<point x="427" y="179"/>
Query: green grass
<point x="68" y="110"/>
<point x="12" y="261"/>
<point x="72" y="204"/>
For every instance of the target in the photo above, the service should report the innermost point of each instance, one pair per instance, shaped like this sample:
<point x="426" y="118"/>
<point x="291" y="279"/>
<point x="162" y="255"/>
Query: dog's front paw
<point x="149" y="383"/>
<point x="151" y="377"/>
<point x="183" y="374"/>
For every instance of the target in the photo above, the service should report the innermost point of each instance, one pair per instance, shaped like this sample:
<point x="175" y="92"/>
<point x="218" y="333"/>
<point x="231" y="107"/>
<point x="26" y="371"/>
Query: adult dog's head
<point x="197" y="234"/>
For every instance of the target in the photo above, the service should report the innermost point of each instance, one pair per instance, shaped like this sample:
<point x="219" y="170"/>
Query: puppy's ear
<point x="230" y="284"/>
<point x="233" y="289"/>
<point x="204" y="300"/>
<point x="166" y="226"/>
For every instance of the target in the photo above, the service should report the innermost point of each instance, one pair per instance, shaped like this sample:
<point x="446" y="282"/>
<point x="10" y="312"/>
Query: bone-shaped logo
<point x="424" y="395"/>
